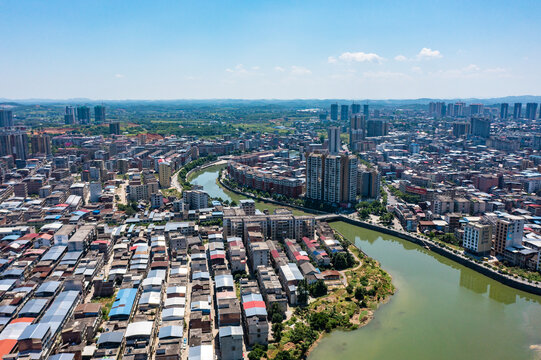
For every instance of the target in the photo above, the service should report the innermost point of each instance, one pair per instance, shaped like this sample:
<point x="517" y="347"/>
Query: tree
<point x="360" y="293"/>
<point x="319" y="321"/>
<point x="277" y="329"/>
<point x="302" y="292"/>
<point x="319" y="288"/>
<point x="283" y="355"/>
<point x="275" y="313"/>
<point x="341" y="261"/>
<point x="257" y="352"/>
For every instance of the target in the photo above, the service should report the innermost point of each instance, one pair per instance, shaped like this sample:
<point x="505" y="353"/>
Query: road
<point x="391" y="199"/>
<point x="174" y="181"/>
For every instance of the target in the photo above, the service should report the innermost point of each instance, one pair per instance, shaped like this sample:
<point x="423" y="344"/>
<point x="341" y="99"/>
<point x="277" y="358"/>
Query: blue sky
<point x="269" y="49"/>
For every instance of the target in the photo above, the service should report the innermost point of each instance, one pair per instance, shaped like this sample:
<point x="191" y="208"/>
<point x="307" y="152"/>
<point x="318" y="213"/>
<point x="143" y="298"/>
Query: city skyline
<point x="118" y="51"/>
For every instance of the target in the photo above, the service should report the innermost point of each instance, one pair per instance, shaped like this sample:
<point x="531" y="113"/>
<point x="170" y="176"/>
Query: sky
<point x="114" y="49"/>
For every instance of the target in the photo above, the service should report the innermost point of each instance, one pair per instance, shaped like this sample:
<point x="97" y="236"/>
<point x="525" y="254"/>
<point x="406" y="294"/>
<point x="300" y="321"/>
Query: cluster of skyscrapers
<point x="345" y="111"/>
<point x="14" y="140"/>
<point x="460" y="109"/>
<point x="81" y="115"/>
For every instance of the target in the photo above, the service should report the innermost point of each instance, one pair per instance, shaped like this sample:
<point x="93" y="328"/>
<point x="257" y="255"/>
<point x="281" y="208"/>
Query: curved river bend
<point x="441" y="310"/>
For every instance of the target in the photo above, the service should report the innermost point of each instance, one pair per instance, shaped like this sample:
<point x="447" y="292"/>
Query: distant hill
<point x="323" y="103"/>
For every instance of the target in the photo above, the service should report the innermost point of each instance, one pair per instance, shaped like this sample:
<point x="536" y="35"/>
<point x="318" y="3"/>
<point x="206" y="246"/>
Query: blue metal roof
<point x="48" y="287"/>
<point x="54" y="253"/>
<point x="171" y="332"/>
<point x="123" y="304"/>
<point x="111" y="337"/>
<point x="63" y="356"/>
<point x="59" y="309"/>
<point x="33" y="307"/>
<point x="35" y="331"/>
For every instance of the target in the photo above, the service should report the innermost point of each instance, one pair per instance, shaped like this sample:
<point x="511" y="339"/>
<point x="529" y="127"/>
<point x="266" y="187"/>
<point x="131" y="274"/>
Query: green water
<point x="208" y="179"/>
<point x="441" y="310"/>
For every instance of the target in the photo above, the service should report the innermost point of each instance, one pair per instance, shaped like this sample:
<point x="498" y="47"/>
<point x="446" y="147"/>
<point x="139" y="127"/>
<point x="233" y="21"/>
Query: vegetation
<point x="258" y="352"/>
<point x="408" y="198"/>
<point x="190" y="166"/>
<point x="448" y="238"/>
<point x="106" y="303"/>
<point x="130" y="209"/>
<point x="335" y="310"/>
<point x="318" y="289"/>
<point x="365" y="208"/>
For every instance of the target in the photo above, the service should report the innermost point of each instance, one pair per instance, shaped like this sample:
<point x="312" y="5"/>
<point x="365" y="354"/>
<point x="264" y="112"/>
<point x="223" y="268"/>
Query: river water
<point x="441" y="310"/>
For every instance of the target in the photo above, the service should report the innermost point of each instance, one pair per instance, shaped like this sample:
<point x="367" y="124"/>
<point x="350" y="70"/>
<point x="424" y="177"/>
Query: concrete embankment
<point x="430" y="245"/>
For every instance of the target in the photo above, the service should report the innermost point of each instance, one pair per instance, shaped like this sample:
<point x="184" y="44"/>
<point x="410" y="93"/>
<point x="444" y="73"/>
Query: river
<point x="441" y="310"/>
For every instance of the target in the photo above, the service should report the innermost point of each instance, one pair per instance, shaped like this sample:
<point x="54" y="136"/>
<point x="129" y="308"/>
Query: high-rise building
<point x="348" y="183"/>
<point x="517" y="111"/>
<point x="480" y="127"/>
<point x="377" y="127"/>
<point x="333" y="133"/>
<point x="99" y="114"/>
<point x="437" y="109"/>
<point x="458" y="109"/>
<point x="531" y="111"/>
<point x="450" y="110"/>
<point x="509" y="232"/>
<point x="69" y="115"/>
<point x="114" y="128"/>
<point x="14" y="142"/>
<point x="461" y="128"/>
<point x="366" y="111"/>
<point x="334" y="111"/>
<point x="6" y="118"/>
<point x="164" y="174"/>
<point x="314" y="176"/>
<point x="368" y="183"/>
<point x="355" y="108"/>
<point x="195" y="199"/>
<point x="331" y="178"/>
<point x="477" y="109"/>
<point x="95" y="191"/>
<point x="357" y="128"/>
<point x="504" y="110"/>
<point x="477" y="238"/>
<point x="344" y="112"/>
<point x="41" y="144"/>
<point x="83" y="115"/>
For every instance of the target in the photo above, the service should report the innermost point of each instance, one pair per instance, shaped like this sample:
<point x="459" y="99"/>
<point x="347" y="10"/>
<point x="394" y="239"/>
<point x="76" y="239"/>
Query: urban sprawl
<point x="107" y="250"/>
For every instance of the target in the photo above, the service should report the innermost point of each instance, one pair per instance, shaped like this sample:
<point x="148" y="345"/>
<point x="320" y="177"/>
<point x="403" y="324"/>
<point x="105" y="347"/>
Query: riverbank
<point x="344" y="308"/>
<point x="441" y="249"/>
<point x="404" y="327"/>
<point x="438" y="248"/>
<point x="432" y="289"/>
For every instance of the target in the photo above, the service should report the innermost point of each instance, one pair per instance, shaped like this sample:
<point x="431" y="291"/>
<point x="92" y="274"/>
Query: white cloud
<point x="427" y="53"/>
<point x="416" y="70"/>
<point x="471" y="67"/>
<point x="360" y="57"/>
<point x="332" y="60"/>
<point x="279" y="69"/>
<point x="240" y="69"/>
<point x="299" y="70"/>
<point x="497" y="70"/>
<point x="119" y="76"/>
<point x="400" y="58"/>
<point x="472" y="71"/>
<point x="384" y="75"/>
